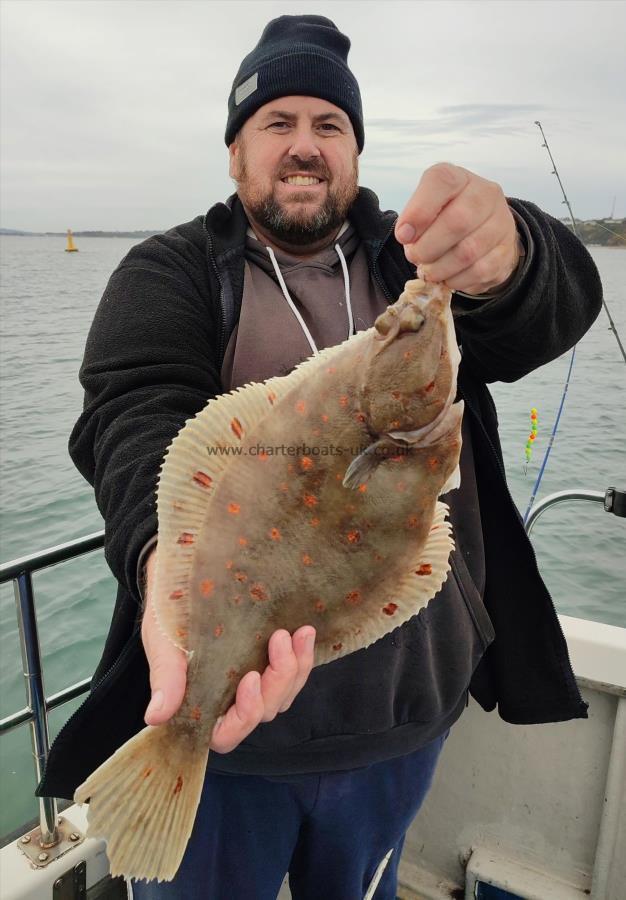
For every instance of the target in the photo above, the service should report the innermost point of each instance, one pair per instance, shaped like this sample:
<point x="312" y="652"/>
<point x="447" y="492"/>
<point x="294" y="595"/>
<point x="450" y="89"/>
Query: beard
<point x="302" y="225"/>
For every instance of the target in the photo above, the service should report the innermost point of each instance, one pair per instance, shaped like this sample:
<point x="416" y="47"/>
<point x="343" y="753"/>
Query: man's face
<point x="295" y="162"/>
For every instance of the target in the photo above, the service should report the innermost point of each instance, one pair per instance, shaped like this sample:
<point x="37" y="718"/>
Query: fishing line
<point x="573" y="356"/>
<point x="575" y="230"/>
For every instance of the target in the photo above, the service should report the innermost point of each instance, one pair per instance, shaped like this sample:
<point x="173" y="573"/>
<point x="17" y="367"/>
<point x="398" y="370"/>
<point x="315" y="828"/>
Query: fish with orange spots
<point x="237" y="558"/>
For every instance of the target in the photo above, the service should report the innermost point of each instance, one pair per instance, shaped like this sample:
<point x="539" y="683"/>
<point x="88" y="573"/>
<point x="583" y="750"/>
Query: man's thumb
<point x="168" y="689"/>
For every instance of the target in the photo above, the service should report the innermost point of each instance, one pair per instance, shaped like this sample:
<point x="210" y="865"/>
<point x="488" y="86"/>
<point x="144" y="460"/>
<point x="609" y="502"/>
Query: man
<point x="319" y="771"/>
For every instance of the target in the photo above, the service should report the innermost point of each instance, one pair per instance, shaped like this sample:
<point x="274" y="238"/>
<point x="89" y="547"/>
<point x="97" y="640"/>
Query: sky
<point x="112" y="112"/>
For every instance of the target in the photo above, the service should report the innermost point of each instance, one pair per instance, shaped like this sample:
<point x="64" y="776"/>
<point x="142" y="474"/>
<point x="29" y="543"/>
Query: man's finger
<point x="304" y="648"/>
<point x="279" y="677"/>
<point x="466" y="252"/>
<point x="242" y="717"/>
<point x="485" y="275"/>
<point x="438" y="185"/>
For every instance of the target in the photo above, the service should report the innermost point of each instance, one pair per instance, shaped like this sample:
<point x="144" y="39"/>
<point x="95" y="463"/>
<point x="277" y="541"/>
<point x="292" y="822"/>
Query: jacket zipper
<point x="222" y="333"/>
<point x="375" y="270"/>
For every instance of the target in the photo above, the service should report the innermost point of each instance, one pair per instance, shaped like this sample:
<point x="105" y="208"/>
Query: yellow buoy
<point x="70" y="243"/>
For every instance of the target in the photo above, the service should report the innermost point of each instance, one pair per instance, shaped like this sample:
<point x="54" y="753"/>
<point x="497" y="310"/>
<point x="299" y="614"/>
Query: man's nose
<point x="304" y="144"/>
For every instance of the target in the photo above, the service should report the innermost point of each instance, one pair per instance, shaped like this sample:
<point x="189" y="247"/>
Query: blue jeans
<point x="331" y="832"/>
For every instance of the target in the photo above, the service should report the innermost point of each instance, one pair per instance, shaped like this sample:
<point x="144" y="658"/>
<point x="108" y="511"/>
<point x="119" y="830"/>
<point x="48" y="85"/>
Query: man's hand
<point x="459" y="227"/>
<point x="259" y="698"/>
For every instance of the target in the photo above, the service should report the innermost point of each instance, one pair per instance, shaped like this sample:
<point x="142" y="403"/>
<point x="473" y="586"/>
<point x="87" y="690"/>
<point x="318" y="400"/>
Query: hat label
<point x="248" y="87"/>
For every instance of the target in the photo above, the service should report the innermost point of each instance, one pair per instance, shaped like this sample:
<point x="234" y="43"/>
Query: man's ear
<point x="233" y="159"/>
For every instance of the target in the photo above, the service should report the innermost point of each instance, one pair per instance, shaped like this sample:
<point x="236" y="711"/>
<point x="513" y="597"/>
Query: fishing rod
<point x="571" y="364"/>
<point x="555" y="171"/>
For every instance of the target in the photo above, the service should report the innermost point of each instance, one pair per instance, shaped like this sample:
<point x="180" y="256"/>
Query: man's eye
<point x="278" y="124"/>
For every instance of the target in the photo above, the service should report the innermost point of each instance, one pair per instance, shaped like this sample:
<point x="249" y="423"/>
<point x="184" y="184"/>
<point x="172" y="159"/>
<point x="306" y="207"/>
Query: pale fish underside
<point x="251" y="540"/>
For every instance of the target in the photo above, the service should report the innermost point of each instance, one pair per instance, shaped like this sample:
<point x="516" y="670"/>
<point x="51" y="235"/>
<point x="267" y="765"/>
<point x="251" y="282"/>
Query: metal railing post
<point x="33" y="676"/>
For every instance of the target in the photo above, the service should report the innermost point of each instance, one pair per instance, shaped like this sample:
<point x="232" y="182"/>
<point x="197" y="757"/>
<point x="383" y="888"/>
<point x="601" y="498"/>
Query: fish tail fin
<point x="143" y="802"/>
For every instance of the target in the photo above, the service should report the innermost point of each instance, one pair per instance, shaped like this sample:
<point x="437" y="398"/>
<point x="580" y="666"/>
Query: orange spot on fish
<point x="408" y="354"/>
<point x="424" y="569"/>
<point x="331" y="370"/>
<point x="179" y="785"/>
<point x="237" y="599"/>
<point x="206" y="587"/>
<point x="325" y="417"/>
<point x="218" y="631"/>
<point x="354" y="537"/>
<point x="243" y="542"/>
<point x="354" y="598"/>
<point x="317" y="431"/>
<point x="362" y="488"/>
<point x="229" y="564"/>
<point x="429" y="387"/>
<point x="343" y="401"/>
<point x="337" y="646"/>
<point x="275" y="534"/>
<point x="181" y="632"/>
<point x="395" y="423"/>
<point x="290" y="468"/>
<point x="236" y="428"/>
<point x="185" y="538"/>
<point x="433" y="463"/>
<point x="234" y="508"/>
<point x="177" y="595"/>
<point x="148" y="771"/>
<point x="271" y="397"/>
<point x="314" y="521"/>
<point x="309" y="500"/>
<point x="306" y="559"/>
<point x="396" y="395"/>
<point x="300" y="406"/>
<point x="263" y="455"/>
<point x="359" y="417"/>
<point x="241" y="576"/>
<point x="319" y="606"/>
<point x="306" y="463"/>
<point x="203" y="479"/>
<point x="413" y="522"/>
<point x="390" y="609"/>
<point x="258" y="636"/>
<point x="338" y="476"/>
<point x="196" y="714"/>
<point x="258" y="592"/>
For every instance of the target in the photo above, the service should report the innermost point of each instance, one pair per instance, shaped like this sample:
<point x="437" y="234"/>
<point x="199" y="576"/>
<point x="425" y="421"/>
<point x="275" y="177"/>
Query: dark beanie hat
<point x="303" y="55"/>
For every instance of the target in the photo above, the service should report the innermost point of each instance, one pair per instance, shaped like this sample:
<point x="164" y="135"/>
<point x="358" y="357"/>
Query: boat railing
<point x="20" y="572"/>
<point x="35" y="713"/>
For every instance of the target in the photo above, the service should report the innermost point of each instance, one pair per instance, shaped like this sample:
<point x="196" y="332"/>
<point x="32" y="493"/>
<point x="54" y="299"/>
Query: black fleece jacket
<point x="152" y="361"/>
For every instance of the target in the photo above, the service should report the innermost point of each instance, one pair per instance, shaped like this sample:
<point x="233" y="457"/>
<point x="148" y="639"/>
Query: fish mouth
<point x="448" y="420"/>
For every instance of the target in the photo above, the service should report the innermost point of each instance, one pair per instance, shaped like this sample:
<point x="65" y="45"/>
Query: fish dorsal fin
<point x="381" y="613"/>
<point x="189" y="477"/>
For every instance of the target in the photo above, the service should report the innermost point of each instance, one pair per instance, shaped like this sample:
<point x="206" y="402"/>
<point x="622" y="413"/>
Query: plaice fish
<point x="345" y="533"/>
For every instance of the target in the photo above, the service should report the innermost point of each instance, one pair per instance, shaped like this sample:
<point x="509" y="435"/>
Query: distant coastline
<point x="78" y="234"/>
<point x="593" y="232"/>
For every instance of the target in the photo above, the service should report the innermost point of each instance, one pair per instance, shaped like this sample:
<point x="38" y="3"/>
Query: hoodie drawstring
<point x="295" y="311"/>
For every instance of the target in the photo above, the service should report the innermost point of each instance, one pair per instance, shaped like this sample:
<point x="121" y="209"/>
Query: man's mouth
<point x="302" y="180"/>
